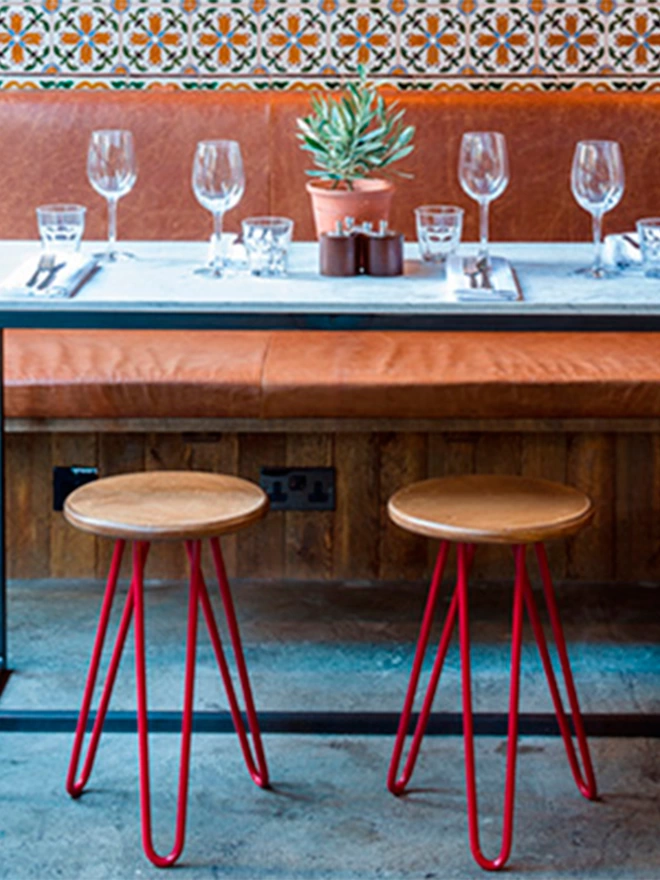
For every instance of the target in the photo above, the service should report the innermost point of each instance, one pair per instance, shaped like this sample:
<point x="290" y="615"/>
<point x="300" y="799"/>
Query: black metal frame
<point x="58" y="316"/>
<point x="334" y="723"/>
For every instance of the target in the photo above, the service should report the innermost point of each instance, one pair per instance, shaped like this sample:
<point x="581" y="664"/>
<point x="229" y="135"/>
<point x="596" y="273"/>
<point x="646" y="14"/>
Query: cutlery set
<point x="47" y="264"/>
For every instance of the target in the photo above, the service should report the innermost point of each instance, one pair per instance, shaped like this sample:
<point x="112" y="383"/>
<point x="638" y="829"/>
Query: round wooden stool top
<point x="481" y="509"/>
<point x="165" y="505"/>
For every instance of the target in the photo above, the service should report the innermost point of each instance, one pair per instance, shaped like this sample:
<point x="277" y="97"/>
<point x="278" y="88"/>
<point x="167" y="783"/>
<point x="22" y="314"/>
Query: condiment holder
<point x="351" y="249"/>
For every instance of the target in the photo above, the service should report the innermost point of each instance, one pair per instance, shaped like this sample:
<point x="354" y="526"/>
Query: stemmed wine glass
<point x="218" y="182"/>
<point x="483" y="171"/>
<point x="597" y="182"/>
<point x="112" y="171"/>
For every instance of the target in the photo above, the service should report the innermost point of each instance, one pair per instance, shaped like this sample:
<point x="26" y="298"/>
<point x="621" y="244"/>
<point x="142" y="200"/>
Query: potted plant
<point x="352" y="140"/>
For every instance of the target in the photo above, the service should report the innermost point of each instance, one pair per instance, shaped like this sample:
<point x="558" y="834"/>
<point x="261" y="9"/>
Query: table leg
<point x="4" y="666"/>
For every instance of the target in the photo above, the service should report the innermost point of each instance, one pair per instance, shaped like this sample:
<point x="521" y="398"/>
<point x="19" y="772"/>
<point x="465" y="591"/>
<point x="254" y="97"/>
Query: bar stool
<point x="468" y="511"/>
<point x="166" y="506"/>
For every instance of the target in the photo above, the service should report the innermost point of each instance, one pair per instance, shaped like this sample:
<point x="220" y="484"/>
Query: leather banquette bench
<point x="43" y="137"/>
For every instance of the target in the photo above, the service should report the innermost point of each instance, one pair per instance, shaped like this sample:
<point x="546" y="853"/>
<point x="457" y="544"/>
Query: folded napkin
<point x="622" y="250"/>
<point x="54" y="275"/>
<point x="469" y="281"/>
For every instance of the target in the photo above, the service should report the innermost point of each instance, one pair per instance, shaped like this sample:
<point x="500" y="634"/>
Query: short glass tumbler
<point x="649" y="242"/>
<point x="61" y="227"/>
<point x="439" y="229"/>
<point x="266" y="241"/>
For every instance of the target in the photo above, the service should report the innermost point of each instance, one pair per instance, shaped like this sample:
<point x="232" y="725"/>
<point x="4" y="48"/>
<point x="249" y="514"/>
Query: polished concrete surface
<point x="331" y="647"/>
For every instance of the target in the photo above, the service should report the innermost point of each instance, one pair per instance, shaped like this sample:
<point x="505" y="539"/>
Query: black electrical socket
<point x="66" y="479"/>
<point x="299" y="488"/>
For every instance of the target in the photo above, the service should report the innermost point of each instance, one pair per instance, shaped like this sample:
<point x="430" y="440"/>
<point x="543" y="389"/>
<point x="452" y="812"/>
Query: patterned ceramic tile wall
<point x="293" y="43"/>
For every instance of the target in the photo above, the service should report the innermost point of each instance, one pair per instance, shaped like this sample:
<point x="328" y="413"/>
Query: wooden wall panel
<point x="308" y="537"/>
<point x="72" y="552"/>
<point x="619" y="468"/>
<point x="261" y="548"/>
<point x="403" y="460"/>
<point x="357" y="517"/>
<point x="590" y="467"/>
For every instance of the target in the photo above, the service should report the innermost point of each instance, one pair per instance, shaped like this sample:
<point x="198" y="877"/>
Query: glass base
<point x="210" y="271"/>
<point x="114" y="256"/>
<point x="597" y="272"/>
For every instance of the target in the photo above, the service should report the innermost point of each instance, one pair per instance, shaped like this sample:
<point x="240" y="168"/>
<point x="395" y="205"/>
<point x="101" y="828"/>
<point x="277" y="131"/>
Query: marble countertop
<point x="161" y="280"/>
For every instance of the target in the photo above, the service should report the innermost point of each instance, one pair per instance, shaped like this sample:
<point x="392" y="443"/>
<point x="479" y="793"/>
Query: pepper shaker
<point x="383" y="252"/>
<point x="338" y="253"/>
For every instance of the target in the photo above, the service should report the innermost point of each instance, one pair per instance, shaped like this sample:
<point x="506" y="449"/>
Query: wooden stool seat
<point x="165" y="505"/>
<point x="482" y="509"/>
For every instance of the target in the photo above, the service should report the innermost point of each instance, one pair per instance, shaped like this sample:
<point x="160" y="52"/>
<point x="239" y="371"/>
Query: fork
<point x="46" y="263"/>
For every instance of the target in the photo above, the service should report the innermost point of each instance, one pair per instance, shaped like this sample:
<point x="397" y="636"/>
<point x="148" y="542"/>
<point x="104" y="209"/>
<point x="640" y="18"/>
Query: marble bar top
<point x="159" y="289"/>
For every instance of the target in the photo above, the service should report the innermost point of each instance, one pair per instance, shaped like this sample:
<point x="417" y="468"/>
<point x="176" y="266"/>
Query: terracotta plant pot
<point x="369" y="201"/>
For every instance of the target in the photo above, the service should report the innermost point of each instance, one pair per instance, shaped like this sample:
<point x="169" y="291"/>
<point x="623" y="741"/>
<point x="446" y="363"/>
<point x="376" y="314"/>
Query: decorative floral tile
<point x="24" y="37"/>
<point x="634" y="37"/>
<point x="433" y="40"/>
<point x="86" y="38"/>
<point x="502" y="40"/>
<point x="224" y="40"/>
<point x="364" y="35"/>
<point x="155" y="38"/>
<point x="572" y="40"/>
<point x="293" y="40"/>
<point x="480" y="43"/>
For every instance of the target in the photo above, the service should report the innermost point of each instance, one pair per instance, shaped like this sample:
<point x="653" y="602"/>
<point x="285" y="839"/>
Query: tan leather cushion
<point x="462" y="375"/>
<point x="153" y="374"/>
<point x="140" y="374"/>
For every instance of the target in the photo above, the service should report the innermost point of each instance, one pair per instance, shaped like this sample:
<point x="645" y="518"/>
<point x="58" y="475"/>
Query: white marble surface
<point x="162" y="278"/>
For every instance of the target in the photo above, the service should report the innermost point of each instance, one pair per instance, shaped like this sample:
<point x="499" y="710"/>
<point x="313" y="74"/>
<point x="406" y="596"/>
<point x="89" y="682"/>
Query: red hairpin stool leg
<point x="165" y="506"/>
<point x="476" y="510"/>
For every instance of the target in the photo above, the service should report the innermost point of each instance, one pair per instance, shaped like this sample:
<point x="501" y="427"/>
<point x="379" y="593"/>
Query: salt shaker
<point x="338" y="253"/>
<point x="383" y="252"/>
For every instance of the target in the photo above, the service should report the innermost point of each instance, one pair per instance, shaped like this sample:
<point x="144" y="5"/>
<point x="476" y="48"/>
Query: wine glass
<point x="218" y="182"/>
<point x="112" y="171"/>
<point x="483" y="171"/>
<point x="597" y="182"/>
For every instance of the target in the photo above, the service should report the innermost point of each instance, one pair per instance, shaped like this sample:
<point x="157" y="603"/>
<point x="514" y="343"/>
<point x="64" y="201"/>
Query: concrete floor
<point x="342" y="648"/>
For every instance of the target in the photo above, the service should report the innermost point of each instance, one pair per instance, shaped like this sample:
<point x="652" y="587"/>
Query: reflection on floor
<point x="331" y="647"/>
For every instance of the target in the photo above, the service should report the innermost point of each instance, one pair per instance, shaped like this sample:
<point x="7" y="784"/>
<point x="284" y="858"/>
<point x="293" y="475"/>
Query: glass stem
<point x="112" y="225"/>
<point x="483" y="231"/>
<point x="216" y="250"/>
<point x="598" y="242"/>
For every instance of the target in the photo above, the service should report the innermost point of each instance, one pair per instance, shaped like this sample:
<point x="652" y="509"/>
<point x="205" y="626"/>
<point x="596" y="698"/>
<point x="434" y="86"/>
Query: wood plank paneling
<point x="590" y="466"/>
<point x="308" y="535"/>
<point x="29" y="499"/>
<point x="357" y="517"/>
<point x="216" y="453"/>
<point x="619" y="469"/>
<point x="72" y="552"/>
<point x="543" y="456"/>
<point x="261" y="547"/>
<point x="403" y="460"/>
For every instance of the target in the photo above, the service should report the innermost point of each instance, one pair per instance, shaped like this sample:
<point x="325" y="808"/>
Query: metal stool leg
<point x="73" y="786"/>
<point x="257" y="766"/>
<point x="468" y="730"/>
<point x="587" y="787"/>
<point x="397" y="786"/>
<point x="143" y="721"/>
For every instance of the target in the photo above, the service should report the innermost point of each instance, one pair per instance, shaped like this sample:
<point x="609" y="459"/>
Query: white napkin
<point x="620" y="251"/>
<point x="72" y="270"/>
<point x="468" y="286"/>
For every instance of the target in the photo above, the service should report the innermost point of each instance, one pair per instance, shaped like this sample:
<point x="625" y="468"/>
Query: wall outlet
<point x="299" y="488"/>
<point x="66" y="479"/>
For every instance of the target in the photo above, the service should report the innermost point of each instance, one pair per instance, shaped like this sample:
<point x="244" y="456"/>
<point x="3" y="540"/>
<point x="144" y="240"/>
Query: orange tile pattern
<point x="295" y="43"/>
